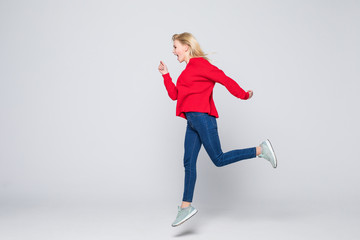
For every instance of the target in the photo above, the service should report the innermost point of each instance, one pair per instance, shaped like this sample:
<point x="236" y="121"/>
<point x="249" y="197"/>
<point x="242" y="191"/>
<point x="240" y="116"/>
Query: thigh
<point x="206" y="127"/>
<point x="192" y="145"/>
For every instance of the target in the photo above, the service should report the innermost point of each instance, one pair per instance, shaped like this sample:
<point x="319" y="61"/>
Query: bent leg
<point x="210" y="139"/>
<point x="192" y="147"/>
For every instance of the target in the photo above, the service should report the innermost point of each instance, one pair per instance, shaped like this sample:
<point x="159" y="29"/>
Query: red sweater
<point x="194" y="87"/>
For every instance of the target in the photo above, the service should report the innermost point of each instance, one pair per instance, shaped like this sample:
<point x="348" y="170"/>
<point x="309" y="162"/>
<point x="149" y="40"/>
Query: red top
<point x="194" y="87"/>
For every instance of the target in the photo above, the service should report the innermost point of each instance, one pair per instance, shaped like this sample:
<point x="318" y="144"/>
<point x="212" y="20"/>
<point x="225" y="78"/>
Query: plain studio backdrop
<point x="86" y="122"/>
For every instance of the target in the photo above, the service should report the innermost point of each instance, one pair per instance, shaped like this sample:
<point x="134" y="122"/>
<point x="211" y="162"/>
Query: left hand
<point x="251" y="93"/>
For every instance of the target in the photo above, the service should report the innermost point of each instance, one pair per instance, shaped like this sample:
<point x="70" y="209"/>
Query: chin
<point x="180" y="60"/>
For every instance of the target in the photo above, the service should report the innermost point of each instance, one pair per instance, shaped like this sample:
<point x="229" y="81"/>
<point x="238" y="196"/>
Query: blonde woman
<point x="194" y="95"/>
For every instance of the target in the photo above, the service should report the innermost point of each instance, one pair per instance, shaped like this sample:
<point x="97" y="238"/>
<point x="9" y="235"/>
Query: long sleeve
<point x="170" y="87"/>
<point x="217" y="75"/>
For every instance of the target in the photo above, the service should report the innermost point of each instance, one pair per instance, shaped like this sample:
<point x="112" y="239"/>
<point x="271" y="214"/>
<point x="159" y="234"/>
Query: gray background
<point x="90" y="147"/>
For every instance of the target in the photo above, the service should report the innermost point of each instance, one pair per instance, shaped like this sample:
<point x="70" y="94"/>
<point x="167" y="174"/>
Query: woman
<point x="193" y="92"/>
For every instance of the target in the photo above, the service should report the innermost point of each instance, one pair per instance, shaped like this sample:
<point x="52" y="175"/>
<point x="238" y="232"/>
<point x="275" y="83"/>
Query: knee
<point x="190" y="168"/>
<point x="217" y="162"/>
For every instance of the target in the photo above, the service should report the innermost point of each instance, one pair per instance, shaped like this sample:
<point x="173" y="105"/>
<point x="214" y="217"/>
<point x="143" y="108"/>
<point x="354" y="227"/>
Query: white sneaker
<point x="183" y="215"/>
<point x="268" y="153"/>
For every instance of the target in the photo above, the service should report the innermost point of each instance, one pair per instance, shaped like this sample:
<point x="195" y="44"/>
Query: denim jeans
<point x="202" y="129"/>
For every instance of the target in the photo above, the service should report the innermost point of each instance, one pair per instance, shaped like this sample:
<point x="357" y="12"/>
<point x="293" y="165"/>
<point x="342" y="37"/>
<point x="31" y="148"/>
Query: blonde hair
<point x="194" y="47"/>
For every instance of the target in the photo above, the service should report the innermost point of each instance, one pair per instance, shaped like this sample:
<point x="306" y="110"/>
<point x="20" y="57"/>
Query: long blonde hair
<point x="194" y="46"/>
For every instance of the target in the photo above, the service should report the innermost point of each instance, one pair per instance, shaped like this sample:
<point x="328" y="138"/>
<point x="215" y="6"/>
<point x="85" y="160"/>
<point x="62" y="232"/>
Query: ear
<point x="187" y="48"/>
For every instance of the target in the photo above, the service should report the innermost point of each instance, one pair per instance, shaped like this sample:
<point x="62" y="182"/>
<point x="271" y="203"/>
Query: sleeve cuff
<point x="247" y="95"/>
<point x="166" y="76"/>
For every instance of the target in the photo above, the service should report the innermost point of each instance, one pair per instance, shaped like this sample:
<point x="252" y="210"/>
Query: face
<point x="181" y="51"/>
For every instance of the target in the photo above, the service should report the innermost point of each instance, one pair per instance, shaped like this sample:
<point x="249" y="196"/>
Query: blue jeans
<point x="202" y="129"/>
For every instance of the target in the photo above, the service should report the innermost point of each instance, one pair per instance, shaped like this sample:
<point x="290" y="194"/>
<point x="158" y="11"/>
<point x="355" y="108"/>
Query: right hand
<point x="163" y="68"/>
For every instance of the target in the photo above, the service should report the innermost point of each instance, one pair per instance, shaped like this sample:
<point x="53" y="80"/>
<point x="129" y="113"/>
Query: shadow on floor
<point x="186" y="232"/>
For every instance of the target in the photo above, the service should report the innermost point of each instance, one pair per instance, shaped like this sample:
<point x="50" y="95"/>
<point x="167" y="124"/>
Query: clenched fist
<point x="163" y="68"/>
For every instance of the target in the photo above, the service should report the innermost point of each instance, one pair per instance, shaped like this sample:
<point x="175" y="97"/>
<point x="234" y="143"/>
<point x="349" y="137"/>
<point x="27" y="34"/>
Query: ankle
<point x="185" y="204"/>
<point x="258" y="150"/>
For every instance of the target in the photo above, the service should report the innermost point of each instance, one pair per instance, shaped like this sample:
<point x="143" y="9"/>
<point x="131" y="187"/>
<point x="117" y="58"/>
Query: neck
<point x="187" y="59"/>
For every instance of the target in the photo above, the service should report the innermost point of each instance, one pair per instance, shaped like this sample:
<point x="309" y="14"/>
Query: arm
<point x="217" y="75"/>
<point x="169" y="85"/>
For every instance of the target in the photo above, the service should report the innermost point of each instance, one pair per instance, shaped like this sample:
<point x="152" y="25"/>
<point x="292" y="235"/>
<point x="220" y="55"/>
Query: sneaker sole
<point x="272" y="152"/>
<point x="187" y="218"/>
